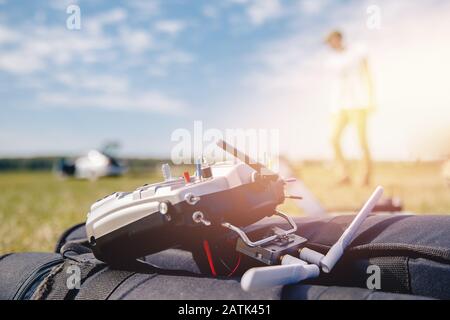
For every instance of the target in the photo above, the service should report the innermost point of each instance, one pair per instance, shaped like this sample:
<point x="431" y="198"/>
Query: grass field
<point x="35" y="208"/>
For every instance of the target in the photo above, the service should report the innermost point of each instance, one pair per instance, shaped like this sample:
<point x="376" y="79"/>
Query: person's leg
<point x="340" y="121"/>
<point x="360" y="120"/>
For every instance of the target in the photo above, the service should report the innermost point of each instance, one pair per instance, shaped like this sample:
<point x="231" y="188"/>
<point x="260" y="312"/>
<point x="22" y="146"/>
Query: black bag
<point x="412" y="253"/>
<point x="21" y="273"/>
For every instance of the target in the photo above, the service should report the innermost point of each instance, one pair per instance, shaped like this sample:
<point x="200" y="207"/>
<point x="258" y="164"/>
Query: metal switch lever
<point x="198" y="217"/>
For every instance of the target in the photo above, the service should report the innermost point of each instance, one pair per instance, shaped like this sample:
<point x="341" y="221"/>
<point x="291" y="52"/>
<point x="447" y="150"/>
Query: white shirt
<point x="349" y="89"/>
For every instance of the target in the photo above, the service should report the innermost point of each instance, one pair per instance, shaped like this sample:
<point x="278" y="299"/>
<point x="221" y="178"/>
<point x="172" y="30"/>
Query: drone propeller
<point x="265" y="277"/>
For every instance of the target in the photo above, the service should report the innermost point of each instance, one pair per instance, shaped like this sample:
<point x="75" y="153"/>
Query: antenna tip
<point x="378" y="191"/>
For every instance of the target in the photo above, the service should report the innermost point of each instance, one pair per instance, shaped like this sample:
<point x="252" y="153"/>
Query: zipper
<point x="26" y="290"/>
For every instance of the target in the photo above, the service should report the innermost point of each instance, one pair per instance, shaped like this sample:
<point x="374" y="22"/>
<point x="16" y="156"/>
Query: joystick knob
<point x="165" y="168"/>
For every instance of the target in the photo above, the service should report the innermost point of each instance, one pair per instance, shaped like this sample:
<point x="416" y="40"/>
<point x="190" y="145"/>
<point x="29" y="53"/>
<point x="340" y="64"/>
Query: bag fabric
<point x="412" y="253"/>
<point x="21" y="273"/>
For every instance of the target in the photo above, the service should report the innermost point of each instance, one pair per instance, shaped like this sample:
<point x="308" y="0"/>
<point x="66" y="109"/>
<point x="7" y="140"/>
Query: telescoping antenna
<point x="257" y="166"/>
<point x="293" y="270"/>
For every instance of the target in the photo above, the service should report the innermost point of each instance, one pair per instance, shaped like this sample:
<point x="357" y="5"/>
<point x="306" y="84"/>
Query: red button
<point x="187" y="177"/>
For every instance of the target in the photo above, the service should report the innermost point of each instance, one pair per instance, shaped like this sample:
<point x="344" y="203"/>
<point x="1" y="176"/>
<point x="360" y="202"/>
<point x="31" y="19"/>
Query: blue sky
<point x="138" y="70"/>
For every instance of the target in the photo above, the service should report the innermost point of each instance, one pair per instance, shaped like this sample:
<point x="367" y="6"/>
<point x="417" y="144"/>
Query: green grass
<point x="420" y="186"/>
<point x="35" y="208"/>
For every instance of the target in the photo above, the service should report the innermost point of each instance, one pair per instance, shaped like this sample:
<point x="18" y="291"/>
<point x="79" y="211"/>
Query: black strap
<point x="63" y="238"/>
<point x="98" y="281"/>
<point x="390" y="249"/>
<point x="80" y="252"/>
<point x="103" y="284"/>
<point x="87" y="271"/>
<point x="394" y="273"/>
<point x="45" y="288"/>
<point x="54" y="286"/>
<point x="318" y="292"/>
<point x="75" y="248"/>
<point x="4" y="256"/>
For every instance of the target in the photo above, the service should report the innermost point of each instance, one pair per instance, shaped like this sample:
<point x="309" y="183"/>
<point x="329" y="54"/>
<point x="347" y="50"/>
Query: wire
<point x="208" y="253"/>
<point x="209" y="257"/>
<point x="236" y="266"/>
<point x="224" y="264"/>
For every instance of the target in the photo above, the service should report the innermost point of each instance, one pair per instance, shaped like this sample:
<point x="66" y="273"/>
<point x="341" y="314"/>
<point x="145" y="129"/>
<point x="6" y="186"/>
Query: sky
<point x="137" y="70"/>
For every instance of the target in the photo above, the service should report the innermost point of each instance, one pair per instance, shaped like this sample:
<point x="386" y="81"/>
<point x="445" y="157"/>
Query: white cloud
<point x="210" y="11"/>
<point x="172" y="27"/>
<point x="36" y="48"/>
<point x="95" y="24"/>
<point x="162" y="64"/>
<point x="61" y="5"/>
<point x="260" y="11"/>
<point x="20" y="63"/>
<point x="93" y="82"/>
<point x="112" y="16"/>
<point x="312" y="6"/>
<point x="68" y="54"/>
<point x="135" y="41"/>
<point x="157" y="71"/>
<point x="148" y="101"/>
<point x="8" y="35"/>
<point x="145" y="7"/>
<point x="105" y="91"/>
<point x="239" y="1"/>
<point x="175" y="57"/>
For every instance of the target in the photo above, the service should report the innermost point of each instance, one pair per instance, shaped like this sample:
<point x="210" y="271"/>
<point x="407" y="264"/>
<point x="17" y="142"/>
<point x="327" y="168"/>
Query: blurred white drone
<point x="93" y="165"/>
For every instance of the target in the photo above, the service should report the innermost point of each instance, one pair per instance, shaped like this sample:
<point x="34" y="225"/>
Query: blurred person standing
<point x="352" y="100"/>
